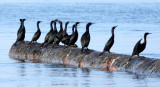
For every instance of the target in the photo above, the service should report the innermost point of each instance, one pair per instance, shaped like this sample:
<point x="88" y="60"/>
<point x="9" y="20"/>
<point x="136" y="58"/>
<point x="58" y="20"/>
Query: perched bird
<point x="58" y="37"/>
<point x="74" y="35"/>
<point x="21" y="31"/>
<point x="110" y="42"/>
<point x="48" y="34"/>
<point x="85" y="39"/>
<point x="52" y="34"/>
<point x="138" y="48"/>
<point x="65" y="36"/>
<point x="37" y="34"/>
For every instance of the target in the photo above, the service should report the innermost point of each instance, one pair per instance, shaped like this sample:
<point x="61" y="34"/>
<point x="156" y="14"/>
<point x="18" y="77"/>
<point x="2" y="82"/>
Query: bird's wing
<point x="136" y="47"/>
<point x="35" y="36"/>
<point x="109" y="42"/>
<point x="72" y="37"/>
<point x="87" y="40"/>
<point x="83" y="39"/>
<point x="19" y="35"/>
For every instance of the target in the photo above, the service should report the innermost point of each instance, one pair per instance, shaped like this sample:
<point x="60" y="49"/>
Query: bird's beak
<point x="93" y="23"/>
<point x="150" y="33"/>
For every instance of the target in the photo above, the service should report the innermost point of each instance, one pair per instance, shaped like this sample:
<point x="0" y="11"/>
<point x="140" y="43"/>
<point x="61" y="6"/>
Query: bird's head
<point x="21" y="19"/>
<point x="77" y="23"/>
<point x="24" y="19"/>
<point x="90" y="23"/>
<point x="39" y="22"/>
<point x="114" y="27"/>
<point x="56" y="20"/>
<point x="67" y="22"/>
<point x="52" y="21"/>
<point x="147" y="33"/>
<point x="60" y="22"/>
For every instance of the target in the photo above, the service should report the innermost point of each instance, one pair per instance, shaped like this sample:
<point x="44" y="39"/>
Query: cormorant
<point x="37" y="34"/>
<point x="85" y="39"/>
<point x="52" y="34"/>
<point x="65" y="36"/>
<point x="21" y="31"/>
<point x="74" y="35"/>
<point x="48" y="34"/>
<point x="138" y="48"/>
<point x="110" y="42"/>
<point x="58" y="37"/>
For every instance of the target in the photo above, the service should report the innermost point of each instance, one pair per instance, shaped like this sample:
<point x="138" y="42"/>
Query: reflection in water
<point x="85" y="76"/>
<point x="110" y="75"/>
<point x="22" y="69"/>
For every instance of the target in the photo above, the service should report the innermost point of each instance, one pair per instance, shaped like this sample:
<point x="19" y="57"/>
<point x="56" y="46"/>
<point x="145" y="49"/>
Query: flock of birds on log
<point x="54" y="37"/>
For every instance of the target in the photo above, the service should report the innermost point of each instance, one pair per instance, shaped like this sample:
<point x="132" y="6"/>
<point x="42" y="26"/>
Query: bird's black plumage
<point x="52" y="34"/>
<point x="85" y="39"/>
<point x="58" y="37"/>
<point x="48" y="34"/>
<point x="37" y="34"/>
<point x="21" y="31"/>
<point x="65" y="36"/>
<point x="138" y="48"/>
<point x="74" y="35"/>
<point x="110" y="42"/>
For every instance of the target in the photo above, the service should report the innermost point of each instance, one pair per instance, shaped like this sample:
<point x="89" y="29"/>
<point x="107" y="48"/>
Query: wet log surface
<point x="88" y="59"/>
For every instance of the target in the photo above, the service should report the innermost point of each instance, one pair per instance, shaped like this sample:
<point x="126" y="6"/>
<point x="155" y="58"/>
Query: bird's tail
<point x="42" y="44"/>
<point x="30" y="43"/>
<point x="82" y="49"/>
<point x="130" y="58"/>
<point x="101" y="53"/>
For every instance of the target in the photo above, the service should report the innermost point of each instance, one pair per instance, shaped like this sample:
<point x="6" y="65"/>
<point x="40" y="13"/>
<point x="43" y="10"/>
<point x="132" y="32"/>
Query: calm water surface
<point x="133" y="21"/>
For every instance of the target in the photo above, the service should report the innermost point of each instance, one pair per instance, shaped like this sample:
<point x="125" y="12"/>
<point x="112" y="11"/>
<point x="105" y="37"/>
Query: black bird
<point x="74" y="35"/>
<point x="58" y="37"/>
<point x="110" y="42"/>
<point x="72" y="30"/>
<point x="138" y="48"/>
<point x="37" y="34"/>
<point x="21" y="31"/>
<point x="48" y="34"/>
<point x="65" y="36"/>
<point x="52" y="34"/>
<point x="85" y="39"/>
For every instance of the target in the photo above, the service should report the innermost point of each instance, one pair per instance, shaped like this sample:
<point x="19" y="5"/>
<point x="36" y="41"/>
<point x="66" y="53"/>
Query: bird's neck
<point x="55" y="27"/>
<point x="61" y="27"/>
<point x="112" y="33"/>
<point x="76" y="29"/>
<point x="73" y="29"/>
<point x="38" y="26"/>
<point x="51" y="26"/>
<point x="87" y="29"/>
<point x="65" y="29"/>
<point x="145" y="38"/>
<point x="22" y="24"/>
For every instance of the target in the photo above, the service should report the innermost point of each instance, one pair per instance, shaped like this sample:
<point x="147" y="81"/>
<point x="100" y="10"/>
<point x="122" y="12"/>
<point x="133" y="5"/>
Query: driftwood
<point x="88" y="59"/>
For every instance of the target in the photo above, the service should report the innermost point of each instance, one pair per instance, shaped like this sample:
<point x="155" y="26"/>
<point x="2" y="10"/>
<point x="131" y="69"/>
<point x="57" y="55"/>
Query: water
<point x="133" y="21"/>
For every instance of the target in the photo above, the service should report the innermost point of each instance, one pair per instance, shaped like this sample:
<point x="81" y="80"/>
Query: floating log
<point x="88" y="59"/>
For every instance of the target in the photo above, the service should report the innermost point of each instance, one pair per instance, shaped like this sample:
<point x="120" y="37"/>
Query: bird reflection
<point x="86" y="71"/>
<point x="22" y="70"/>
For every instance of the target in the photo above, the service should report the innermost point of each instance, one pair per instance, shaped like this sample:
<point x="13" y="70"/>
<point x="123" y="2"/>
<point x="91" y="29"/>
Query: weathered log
<point x="89" y="58"/>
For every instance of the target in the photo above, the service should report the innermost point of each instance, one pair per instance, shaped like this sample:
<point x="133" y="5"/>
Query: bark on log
<point x="88" y="59"/>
